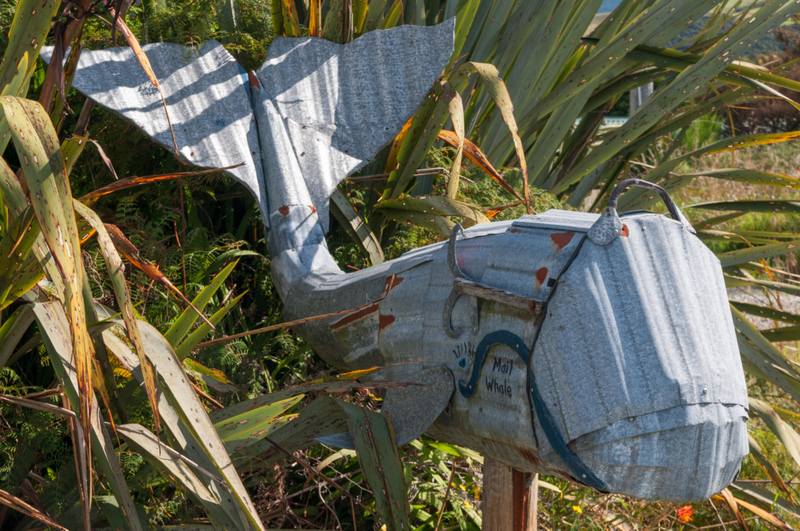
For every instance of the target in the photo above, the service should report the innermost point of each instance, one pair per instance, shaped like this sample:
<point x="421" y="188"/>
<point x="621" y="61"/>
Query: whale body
<point x="596" y="348"/>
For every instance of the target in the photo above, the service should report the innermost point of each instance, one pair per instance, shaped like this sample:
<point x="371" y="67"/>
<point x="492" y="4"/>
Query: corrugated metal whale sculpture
<point x="594" y="348"/>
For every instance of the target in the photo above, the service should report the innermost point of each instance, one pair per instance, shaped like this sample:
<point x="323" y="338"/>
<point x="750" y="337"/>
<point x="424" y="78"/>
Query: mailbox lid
<point x="524" y="257"/>
<point x="559" y="220"/>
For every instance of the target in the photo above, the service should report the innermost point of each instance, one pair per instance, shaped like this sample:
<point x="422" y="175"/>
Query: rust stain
<point x="391" y="283"/>
<point x="251" y="76"/>
<point x="528" y="455"/>
<point x="314" y="210"/>
<point x="625" y="231"/>
<point x="541" y="275"/>
<point x="385" y="321"/>
<point x="514" y="231"/>
<point x="284" y="210"/>
<point x="355" y="316"/>
<point x="562" y="239"/>
<point x="520" y="500"/>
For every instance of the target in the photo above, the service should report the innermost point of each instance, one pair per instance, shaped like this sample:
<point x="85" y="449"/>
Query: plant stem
<point x="446" y="494"/>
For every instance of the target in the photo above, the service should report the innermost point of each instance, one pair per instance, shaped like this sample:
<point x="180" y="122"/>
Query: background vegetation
<point x="203" y="234"/>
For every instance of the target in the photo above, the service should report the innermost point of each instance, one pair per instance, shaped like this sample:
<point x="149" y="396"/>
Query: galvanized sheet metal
<point x="351" y="341"/>
<point x="206" y="95"/>
<point x="547" y="253"/>
<point x="650" y="374"/>
<point x="636" y="357"/>
<point x="693" y="453"/>
<point x="342" y="103"/>
<point x="323" y="109"/>
<point x="648" y="302"/>
<point x="559" y="220"/>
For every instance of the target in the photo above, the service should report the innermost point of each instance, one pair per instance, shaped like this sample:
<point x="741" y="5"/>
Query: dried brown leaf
<point x="130" y="252"/>
<point x="474" y="154"/>
<point x="733" y="503"/>
<point x="130" y="182"/>
<point x="18" y="505"/>
<point x="133" y="42"/>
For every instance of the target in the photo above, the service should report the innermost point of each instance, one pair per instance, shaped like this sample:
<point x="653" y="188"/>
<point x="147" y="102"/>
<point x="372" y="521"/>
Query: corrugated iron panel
<point x="342" y="103"/>
<point x="636" y="358"/>
<point x="338" y="104"/>
<point x="559" y="220"/>
<point x="686" y="453"/>
<point x="207" y="98"/>
<point x="402" y="318"/>
<point x="651" y="369"/>
<point x="528" y="260"/>
<point x="498" y="415"/>
<point x="647" y="303"/>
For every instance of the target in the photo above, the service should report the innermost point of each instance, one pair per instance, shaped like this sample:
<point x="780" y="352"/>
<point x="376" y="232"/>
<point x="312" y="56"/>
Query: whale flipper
<point x="207" y="96"/>
<point x="412" y="409"/>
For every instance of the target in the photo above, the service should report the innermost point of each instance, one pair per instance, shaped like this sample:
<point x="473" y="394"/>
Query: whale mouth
<point x="683" y="454"/>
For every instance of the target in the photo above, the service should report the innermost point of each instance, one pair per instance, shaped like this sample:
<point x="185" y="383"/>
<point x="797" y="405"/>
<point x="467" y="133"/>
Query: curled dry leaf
<point x="457" y="117"/>
<point x="102" y="153"/>
<point x="765" y="515"/>
<point x="733" y="503"/>
<point x="278" y="326"/>
<point x="474" y="154"/>
<point x="490" y="77"/>
<point x="130" y="252"/>
<point x="19" y="505"/>
<point x="133" y="42"/>
<point x="130" y="182"/>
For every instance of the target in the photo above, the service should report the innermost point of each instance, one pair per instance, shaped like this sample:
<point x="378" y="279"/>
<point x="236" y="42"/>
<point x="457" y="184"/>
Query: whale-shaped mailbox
<point x="594" y="348"/>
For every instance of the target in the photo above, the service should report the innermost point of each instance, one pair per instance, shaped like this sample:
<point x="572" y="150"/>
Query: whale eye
<point x="463" y="362"/>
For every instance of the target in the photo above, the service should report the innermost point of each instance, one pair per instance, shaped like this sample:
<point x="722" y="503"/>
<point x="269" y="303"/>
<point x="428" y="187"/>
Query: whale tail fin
<point x="206" y="94"/>
<point x="342" y="103"/>
<point x="339" y="104"/>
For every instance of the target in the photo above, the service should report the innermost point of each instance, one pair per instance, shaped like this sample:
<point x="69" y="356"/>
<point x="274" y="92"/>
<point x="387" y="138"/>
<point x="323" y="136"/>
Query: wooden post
<point x="533" y="503"/>
<point x="510" y="498"/>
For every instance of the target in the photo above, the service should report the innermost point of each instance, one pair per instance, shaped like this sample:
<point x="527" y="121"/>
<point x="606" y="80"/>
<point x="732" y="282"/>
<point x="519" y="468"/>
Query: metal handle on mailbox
<point x="627" y="183"/>
<point x="608" y="226"/>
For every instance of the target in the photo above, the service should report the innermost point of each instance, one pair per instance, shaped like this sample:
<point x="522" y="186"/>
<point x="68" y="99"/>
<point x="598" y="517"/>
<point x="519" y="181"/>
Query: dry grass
<point x="782" y="159"/>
